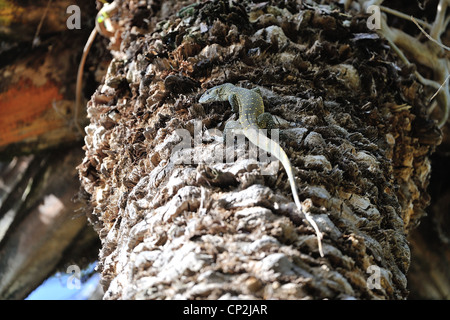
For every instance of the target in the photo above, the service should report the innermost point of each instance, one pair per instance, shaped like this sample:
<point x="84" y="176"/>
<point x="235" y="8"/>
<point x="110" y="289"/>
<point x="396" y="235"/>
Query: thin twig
<point x="425" y="56"/>
<point x="404" y="16"/>
<point x="442" y="85"/>
<point x="446" y="95"/>
<point x="36" y="35"/>
<point x="86" y="49"/>
<point x="401" y="55"/>
<point x="428" y="36"/>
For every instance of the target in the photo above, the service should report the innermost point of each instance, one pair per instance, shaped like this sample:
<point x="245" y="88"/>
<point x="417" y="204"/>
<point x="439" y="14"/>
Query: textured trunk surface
<point x="354" y="128"/>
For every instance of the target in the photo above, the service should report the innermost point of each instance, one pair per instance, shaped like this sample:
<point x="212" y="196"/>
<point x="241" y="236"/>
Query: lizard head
<point x="219" y="93"/>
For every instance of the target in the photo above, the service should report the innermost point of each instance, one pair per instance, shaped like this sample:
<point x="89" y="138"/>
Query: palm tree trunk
<point x="182" y="223"/>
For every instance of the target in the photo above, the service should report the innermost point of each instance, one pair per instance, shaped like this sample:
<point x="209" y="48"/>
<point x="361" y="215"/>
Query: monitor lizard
<point x="252" y="117"/>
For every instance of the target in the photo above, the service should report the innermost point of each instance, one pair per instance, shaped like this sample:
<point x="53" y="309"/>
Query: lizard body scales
<point x="252" y="117"/>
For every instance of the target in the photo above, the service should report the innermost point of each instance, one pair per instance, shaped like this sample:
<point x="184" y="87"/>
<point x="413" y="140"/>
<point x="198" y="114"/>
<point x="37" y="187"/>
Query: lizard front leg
<point x="234" y="103"/>
<point x="265" y="121"/>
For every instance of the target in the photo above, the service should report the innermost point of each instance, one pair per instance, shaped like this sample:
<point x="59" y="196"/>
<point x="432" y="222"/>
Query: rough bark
<point x="358" y="136"/>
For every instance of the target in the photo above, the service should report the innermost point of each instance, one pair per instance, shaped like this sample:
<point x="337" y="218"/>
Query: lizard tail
<point x="308" y="216"/>
<point x="268" y="145"/>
